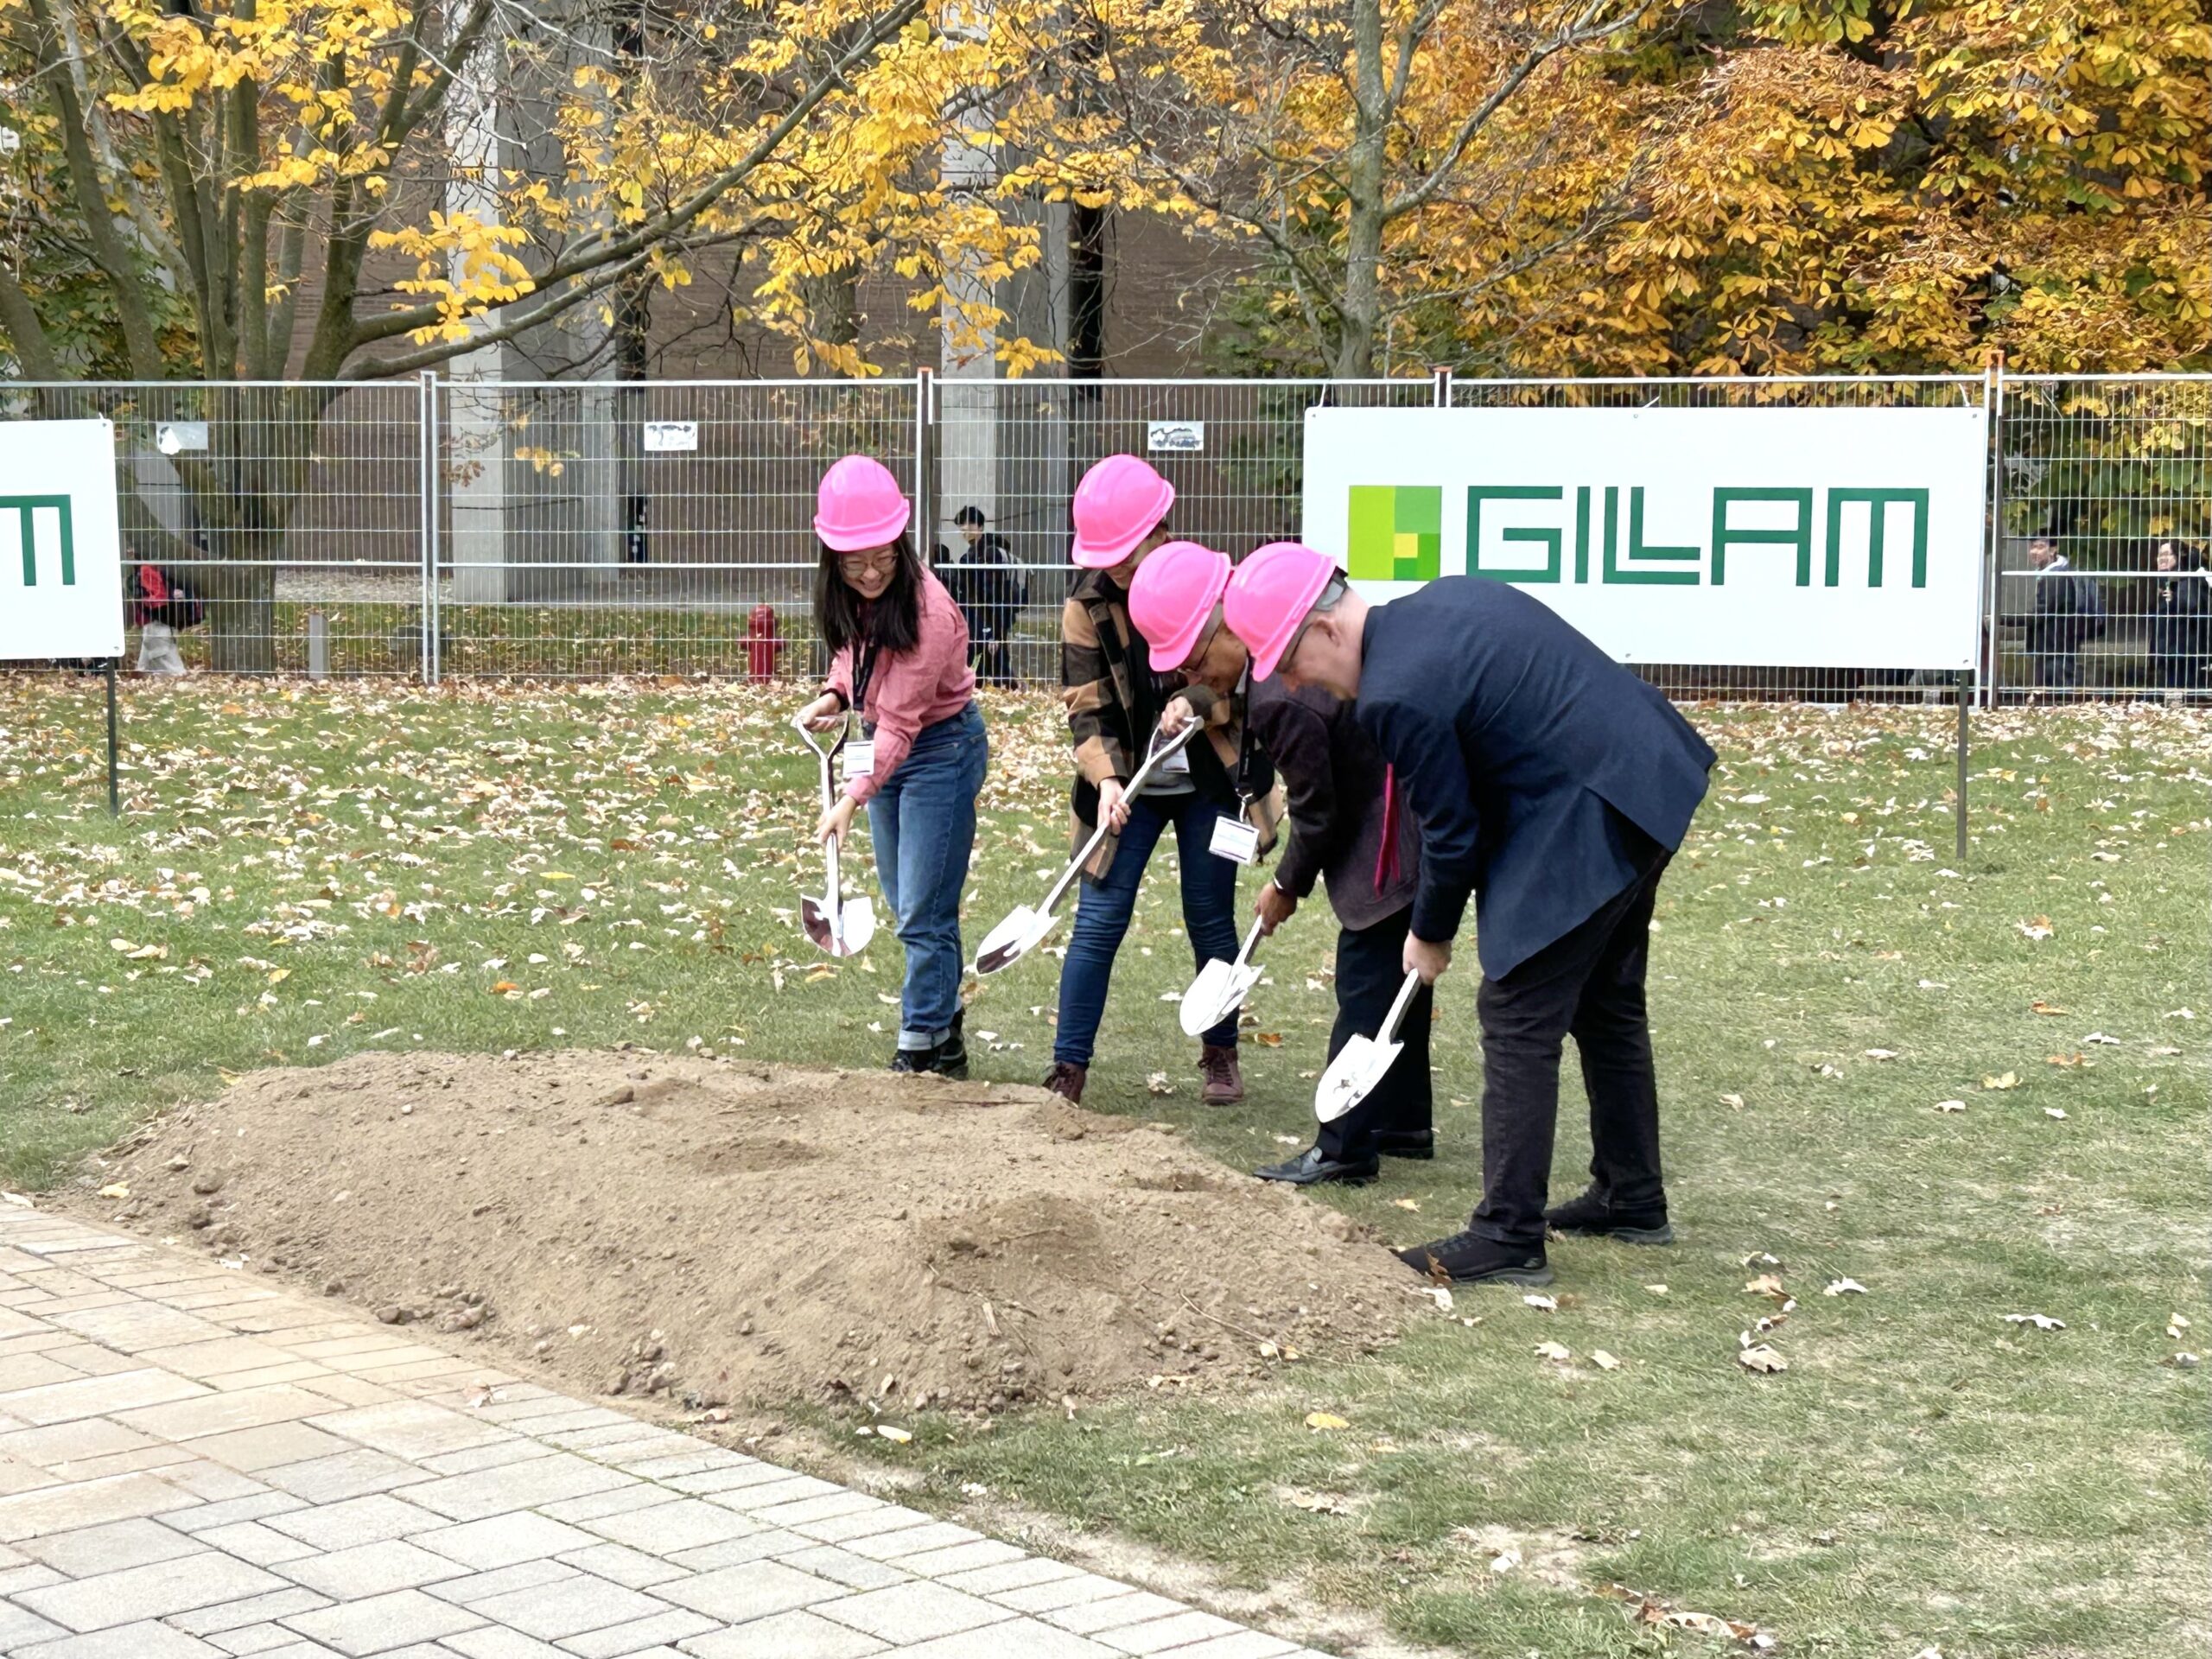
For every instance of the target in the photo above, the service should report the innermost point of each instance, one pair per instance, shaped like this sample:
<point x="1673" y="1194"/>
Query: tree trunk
<point x="1363" y="197"/>
<point x="833" y="308"/>
<point x="241" y="598"/>
<point x="245" y="504"/>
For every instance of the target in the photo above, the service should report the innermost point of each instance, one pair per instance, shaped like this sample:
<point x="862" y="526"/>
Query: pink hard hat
<point x="1268" y="599"/>
<point x="1119" y="503"/>
<point x="858" y="505"/>
<point x="1171" y="596"/>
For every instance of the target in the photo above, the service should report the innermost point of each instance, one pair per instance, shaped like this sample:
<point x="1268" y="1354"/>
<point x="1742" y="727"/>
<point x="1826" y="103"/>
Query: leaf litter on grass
<point x="630" y="826"/>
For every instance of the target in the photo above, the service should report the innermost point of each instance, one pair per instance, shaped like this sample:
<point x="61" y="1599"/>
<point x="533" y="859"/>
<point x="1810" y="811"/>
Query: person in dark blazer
<point x="1552" y="786"/>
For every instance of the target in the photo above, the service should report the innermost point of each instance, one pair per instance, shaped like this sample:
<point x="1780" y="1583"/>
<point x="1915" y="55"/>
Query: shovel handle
<point x="1098" y="835"/>
<point x="1251" y="940"/>
<point x="835" y="898"/>
<point x="1396" y="1017"/>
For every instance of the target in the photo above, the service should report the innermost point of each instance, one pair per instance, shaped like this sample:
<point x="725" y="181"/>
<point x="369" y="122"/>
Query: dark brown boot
<point x="1065" y="1079"/>
<point x="1225" y="1084"/>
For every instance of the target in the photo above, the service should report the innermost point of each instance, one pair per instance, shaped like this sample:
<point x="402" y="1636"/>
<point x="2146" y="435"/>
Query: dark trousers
<point x="1589" y="983"/>
<point x="1370" y="969"/>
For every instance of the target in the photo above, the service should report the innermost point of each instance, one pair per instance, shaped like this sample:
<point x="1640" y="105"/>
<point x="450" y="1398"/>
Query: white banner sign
<point x="1790" y="538"/>
<point x="60" y="552"/>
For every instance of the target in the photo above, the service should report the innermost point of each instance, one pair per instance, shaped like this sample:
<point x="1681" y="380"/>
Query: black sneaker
<point x="1592" y="1217"/>
<point x="1469" y="1259"/>
<point x="947" y="1059"/>
<point x="1407" y="1143"/>
<point x="1314" y="1165"/>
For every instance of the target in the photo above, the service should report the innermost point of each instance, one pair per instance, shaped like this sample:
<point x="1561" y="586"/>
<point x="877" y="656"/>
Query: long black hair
<point x="892" y="622"/>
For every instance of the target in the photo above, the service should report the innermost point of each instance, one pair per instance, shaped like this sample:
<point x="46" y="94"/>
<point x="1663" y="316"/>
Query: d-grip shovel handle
<point x="827" y="756"/>
<point x="1174" y="742"/>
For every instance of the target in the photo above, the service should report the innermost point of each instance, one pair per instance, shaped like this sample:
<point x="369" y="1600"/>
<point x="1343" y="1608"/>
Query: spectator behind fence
<point x="990" y="592"/>
<point x="2181" y="620"/>
<point x="2069" y="614"/>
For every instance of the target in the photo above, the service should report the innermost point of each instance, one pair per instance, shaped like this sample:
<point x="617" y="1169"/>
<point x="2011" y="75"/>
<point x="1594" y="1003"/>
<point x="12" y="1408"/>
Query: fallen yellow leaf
<point x="1321" y="1420"/>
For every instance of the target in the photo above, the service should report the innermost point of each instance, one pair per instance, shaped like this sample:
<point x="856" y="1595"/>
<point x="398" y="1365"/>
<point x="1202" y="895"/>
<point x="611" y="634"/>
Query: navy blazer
<point x="1531" y="758"/>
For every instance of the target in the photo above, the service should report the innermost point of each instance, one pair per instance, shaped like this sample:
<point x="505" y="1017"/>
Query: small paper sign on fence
<point x="665" y="437"/>
<point x="1175" y="437"/>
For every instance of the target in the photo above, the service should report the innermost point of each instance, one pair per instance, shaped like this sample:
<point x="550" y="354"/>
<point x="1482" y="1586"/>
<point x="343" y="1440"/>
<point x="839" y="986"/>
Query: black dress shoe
<point x="1407" y="1143"/>
<point x="1468" y="1259"/>
<point x="1314" y="1165"/>
<point x="1592" y="1217"/>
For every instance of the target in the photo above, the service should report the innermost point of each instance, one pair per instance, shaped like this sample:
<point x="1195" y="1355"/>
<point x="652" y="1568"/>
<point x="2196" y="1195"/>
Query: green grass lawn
<point x="303" y="872"/>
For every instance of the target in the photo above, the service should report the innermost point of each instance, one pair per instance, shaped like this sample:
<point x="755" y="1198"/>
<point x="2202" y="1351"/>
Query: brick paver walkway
<point x="194" y="1463"/>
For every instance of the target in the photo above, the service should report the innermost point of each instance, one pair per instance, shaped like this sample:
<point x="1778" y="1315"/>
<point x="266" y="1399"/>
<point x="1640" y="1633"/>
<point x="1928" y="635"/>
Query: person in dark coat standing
<point x="1552" y="786"/>
<point x="2069" y="614"/>
<point x="991" y="596"/>
<point x="2181" y="620"/>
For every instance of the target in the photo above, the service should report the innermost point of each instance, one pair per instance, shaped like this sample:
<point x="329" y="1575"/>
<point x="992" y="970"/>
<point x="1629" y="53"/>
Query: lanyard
<point x="863" y="670"/>
<point x="1243" y="784"/>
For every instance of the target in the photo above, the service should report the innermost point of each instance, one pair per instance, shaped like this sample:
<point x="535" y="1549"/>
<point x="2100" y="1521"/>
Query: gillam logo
<point x="30" y="512"/>
<point x="1396" y="533"/>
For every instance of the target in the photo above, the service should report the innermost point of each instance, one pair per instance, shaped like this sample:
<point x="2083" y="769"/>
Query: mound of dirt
<point x="736" y="1234"/>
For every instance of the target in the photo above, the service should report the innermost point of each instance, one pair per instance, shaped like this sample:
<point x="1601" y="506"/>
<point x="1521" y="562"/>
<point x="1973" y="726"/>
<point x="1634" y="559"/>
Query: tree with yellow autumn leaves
<point x="1787" y="186"/>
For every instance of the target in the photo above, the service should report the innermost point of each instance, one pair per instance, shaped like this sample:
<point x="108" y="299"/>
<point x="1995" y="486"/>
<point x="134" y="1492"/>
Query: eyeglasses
<point x="1328" y="597"/>
<point x="883" y="561"/>
<point x="1195" y="663"/>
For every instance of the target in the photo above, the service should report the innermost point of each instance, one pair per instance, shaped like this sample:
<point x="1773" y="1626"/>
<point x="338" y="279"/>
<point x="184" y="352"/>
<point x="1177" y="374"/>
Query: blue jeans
<point x="923" y="821"/>
<point x="1102" y="916"/>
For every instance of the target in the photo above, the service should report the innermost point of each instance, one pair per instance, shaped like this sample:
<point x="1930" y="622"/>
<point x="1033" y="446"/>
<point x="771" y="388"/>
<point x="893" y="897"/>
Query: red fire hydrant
<point x="762" y="644"/>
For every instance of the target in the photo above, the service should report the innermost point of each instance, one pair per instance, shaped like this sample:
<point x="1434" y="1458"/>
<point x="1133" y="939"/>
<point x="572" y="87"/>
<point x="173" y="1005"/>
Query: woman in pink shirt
<point x="899" y="653"/>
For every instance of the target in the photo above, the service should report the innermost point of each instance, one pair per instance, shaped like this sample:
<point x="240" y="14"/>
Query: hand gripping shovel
<point x="1362" y="1062"/>
<point x="841" y="928"/>
<point x="1220" y="989"/>
<point x="1025" y="929"/>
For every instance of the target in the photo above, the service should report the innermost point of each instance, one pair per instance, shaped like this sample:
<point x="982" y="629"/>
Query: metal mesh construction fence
<point x="440" y="529"/>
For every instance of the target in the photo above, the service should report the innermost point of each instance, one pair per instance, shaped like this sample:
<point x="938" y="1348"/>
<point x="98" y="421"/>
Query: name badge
<point x="1235" y="839"/>
<point x="1176" y="765"/>
<point x="860" y="759"/>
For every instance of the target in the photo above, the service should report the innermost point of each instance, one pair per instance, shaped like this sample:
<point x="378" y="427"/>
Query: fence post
<point x="926" y="520"/>
<point x="1994" y="565"/>
<point x="426" y="402"/>
<point x="1443" y="378"/>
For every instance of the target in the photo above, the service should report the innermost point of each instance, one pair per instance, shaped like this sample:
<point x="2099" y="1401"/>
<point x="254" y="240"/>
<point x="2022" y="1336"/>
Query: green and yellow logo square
<point x="1396" y="532"/>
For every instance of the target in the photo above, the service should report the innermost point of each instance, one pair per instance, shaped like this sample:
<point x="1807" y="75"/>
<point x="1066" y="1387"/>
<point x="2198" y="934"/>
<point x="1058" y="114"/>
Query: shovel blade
<point x="856" y="926"/>
<point x="843" y="932"/>
<point x="1360" y="1064"/>
<point x="1215" y="995"/>
<point x="1023" y="931"/>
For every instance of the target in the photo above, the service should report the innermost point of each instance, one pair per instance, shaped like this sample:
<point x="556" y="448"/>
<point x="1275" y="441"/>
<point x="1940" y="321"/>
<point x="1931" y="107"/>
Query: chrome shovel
<point x="841" y="927"/>
<point x="1025" y="929"/>
<point x="1362" y="1061"/>
<point x="1220" y="989"/>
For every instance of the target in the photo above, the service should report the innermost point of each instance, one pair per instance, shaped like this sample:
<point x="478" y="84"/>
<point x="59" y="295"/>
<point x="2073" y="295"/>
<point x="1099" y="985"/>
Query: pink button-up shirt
<point x="910" y="689"/>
